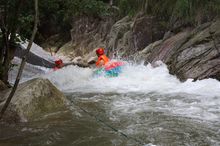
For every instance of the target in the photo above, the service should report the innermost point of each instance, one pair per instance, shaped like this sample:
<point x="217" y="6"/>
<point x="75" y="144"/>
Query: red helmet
<point x="59" y="62"/>
<point x="100" y="51"/>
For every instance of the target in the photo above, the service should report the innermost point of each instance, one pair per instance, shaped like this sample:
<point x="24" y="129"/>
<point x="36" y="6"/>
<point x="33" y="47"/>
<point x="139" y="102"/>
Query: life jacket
<point x="104" y="58"/>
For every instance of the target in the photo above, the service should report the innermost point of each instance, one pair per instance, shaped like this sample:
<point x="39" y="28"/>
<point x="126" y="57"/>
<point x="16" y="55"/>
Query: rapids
<point x="144" y="105"/>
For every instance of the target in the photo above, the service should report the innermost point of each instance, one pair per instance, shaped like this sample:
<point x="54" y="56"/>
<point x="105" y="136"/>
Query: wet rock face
<point x="146" y="30"/>
<point x="129" y="35"/>
<point x="122" y="37"/>
<point x="34" y="99"/>
<point x="89" y="33"/>
<point x="119" y="40"/>
<point x="189" y="54"/>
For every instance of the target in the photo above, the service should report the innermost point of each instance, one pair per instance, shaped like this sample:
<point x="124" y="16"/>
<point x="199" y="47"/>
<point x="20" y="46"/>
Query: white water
<point x="30" y="71"/>
<point x="139" y="91"/>
<point x="200" y="99"/>
<point x="134" y="78"/>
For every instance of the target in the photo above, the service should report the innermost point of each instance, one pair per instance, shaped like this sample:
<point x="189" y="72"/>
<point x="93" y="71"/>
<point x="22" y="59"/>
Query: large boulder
<point x="129" y="35"/>
<point x="34" y="99"/>
<point x="147" y="29"/>
<point x="193" y="53"/>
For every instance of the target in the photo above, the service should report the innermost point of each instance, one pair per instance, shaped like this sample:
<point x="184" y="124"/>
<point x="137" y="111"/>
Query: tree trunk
<point x="8" y="45"/>
<point x="146" y="6"/>
<point x="2" y="50"/>
<point x="110" y="2"/>
<point x="22" y="62"/>
<point x="5" y="60"/>
<point x="3" y="17"/>
<point x="143" y="7"/>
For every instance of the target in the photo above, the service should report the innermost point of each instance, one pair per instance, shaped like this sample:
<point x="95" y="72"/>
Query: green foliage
<point x="60" y="12"/>
<point x="129" y="7"/>
<point x="26" y="21"/>
<point x="57" y="15"/>
<point x="16" y="18"/>
<point x="93" y="7"/>
<point x="190" y="11"/>
<point x="56" y="12"/>
<point x="96" y="8"/>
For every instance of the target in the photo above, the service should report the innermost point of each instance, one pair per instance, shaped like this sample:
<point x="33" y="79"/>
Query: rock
<point x="33" y="58"/>
<point x="89" y="33"/>
<point x="129" y="35"/>
<point x="119" y="39"/>
<point x="2" y="86"/>
<point x="168" y="35"/>
<point x="34" y="99"/>
<point x="91" y="58"/>
<point x="146" y="52"/>
<point x="190" y="53"/>
<point x="77" y="59"/>
<point x="146" y="30"/>
<point x="199" y="56"/>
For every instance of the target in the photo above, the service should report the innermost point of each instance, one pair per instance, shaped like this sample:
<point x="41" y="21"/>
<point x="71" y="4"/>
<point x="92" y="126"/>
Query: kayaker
<point x="102" y="58"/>
<point x="111" y="68"/>
<point x="58" y="64"/>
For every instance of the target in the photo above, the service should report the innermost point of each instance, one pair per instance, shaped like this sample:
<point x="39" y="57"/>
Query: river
<point x="143" y="106"/>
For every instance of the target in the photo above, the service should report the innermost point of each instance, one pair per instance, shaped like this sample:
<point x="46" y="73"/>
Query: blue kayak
<point x="111" y="70"/>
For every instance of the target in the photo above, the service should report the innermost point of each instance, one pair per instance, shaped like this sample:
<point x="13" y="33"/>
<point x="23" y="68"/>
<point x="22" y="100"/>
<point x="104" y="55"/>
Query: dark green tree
<point x="10" y="11"/>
